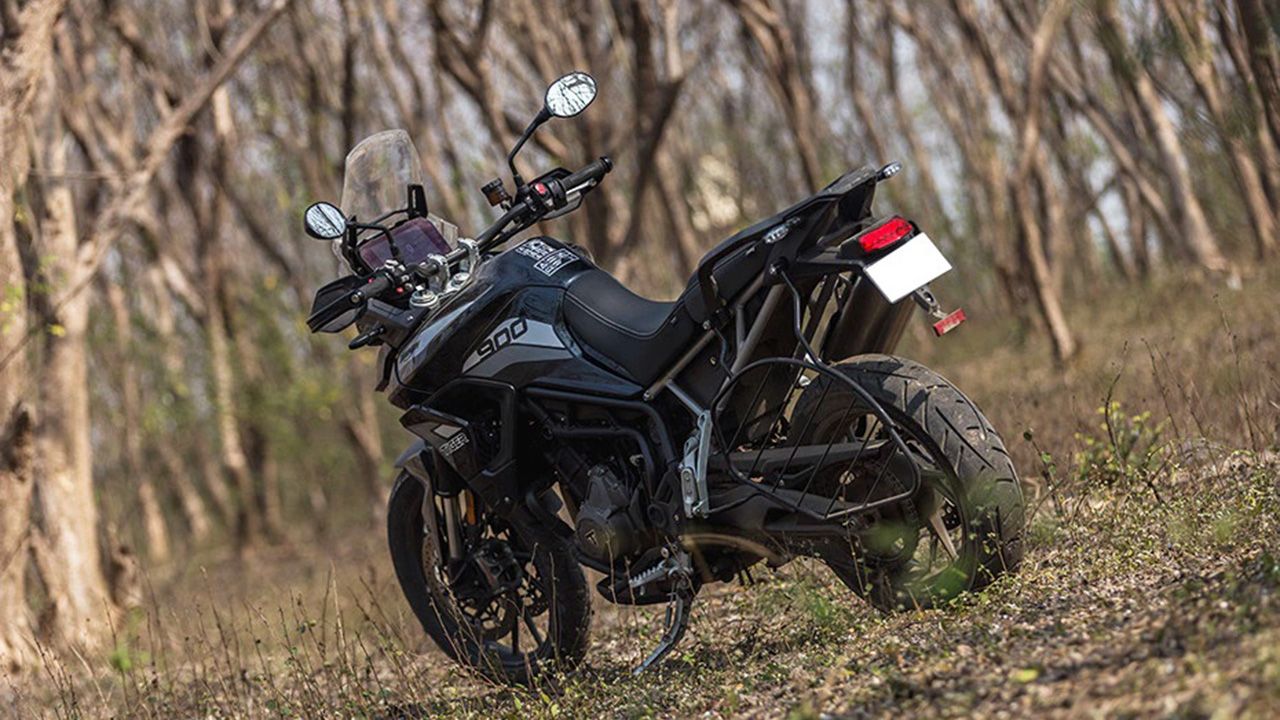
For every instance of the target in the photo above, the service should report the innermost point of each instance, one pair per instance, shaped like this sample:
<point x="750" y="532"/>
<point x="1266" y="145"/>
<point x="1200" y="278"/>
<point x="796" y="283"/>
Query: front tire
<point x="550" y="563"/>
<point x="971" y="489"/>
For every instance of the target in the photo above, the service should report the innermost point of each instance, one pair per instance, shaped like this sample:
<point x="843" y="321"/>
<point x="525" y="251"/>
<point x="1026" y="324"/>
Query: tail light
<point x="885" y="234"/>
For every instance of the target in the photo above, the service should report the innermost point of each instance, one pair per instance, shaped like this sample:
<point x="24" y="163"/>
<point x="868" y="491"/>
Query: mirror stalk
<point x="543" y="115"/>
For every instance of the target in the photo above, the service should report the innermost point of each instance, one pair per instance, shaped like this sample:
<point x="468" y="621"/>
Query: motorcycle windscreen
<point x="376" y="174"/>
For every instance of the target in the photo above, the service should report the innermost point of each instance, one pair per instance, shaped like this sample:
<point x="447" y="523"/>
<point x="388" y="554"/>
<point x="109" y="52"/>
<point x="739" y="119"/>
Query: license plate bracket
<point x="909" y="267"/>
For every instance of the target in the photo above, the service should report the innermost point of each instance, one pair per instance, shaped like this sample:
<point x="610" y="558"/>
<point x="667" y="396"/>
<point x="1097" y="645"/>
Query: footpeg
<point x="677" y="568"/>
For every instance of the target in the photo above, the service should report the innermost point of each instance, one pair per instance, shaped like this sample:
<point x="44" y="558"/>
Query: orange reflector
<point x="948" y="323"/>
<point x="470" y="507"/>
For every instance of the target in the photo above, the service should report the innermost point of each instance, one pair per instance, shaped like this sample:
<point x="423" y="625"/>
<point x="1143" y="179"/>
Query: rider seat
<point x="642" y="338"/>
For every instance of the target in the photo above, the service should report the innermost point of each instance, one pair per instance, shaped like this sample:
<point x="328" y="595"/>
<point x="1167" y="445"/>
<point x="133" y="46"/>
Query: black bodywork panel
<point x="507" y="325"/>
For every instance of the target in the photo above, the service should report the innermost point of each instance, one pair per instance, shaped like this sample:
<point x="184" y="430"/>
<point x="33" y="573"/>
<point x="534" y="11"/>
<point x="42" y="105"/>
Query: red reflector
<point x="948" y="323"/>
<point x="885" y="234"/>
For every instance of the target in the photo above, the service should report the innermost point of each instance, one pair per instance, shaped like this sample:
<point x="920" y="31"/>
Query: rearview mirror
<point x="570" y="95"/>
<point x="324" y="221"/>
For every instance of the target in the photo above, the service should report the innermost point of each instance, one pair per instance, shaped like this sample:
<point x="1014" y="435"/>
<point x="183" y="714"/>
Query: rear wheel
<point x="510" y="602"/>
<point x="962" y="528"/>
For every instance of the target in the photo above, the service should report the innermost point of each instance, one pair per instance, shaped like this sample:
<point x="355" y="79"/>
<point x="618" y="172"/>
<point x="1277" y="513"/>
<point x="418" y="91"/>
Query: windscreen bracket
<point x="417" y="202"/>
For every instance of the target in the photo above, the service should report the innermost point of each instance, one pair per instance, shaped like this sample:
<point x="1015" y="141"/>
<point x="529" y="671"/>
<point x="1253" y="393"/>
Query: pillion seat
<point x="641" y="338"/>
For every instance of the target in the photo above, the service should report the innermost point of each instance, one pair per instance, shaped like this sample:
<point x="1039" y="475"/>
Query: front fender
<point x="417" y="460"/>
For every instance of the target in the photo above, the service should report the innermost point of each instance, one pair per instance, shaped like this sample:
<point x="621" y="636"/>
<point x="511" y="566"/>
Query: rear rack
<point x="826" y="472"/>
<point x="825" y="478"/>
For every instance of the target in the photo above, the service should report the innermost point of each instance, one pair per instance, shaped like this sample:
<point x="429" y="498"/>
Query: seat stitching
<point x="588" y="309"/>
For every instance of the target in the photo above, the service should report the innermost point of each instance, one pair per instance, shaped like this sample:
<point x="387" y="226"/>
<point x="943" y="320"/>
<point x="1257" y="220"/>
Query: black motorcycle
<point x="565" y="422"/>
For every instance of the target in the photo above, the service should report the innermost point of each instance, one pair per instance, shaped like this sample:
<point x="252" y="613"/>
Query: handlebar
<point x="526" y="212"/>
<point x="530" y="209"/>
<point x="590" y="175"/>
<point x="378" y="284"/>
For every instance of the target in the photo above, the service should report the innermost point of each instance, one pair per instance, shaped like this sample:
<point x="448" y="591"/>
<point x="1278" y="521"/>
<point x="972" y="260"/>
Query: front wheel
<point x="510" y="602"/>
<point x="963" y="528"/>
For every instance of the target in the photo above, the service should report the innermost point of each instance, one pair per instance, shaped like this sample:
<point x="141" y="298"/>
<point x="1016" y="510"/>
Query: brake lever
<point x="366" y="338"/>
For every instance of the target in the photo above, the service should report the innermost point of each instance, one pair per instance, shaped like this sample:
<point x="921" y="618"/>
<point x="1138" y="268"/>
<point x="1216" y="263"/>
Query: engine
<point x="609" y="524"/>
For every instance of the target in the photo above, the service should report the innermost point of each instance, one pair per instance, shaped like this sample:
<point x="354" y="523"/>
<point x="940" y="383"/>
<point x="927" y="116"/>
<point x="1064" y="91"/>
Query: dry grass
<point x="1150" y="585"/>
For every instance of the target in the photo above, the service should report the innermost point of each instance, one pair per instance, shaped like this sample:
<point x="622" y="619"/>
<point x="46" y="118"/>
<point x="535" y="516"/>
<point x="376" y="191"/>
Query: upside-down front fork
<point x="457" y="508"/>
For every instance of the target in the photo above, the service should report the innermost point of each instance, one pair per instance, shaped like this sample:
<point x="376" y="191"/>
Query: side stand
<point x="677" y="619"/>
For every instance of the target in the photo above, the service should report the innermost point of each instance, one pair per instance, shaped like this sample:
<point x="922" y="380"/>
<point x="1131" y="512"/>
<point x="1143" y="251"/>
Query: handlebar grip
<point x="375" y="287"/>
<point x="592" y="173"/>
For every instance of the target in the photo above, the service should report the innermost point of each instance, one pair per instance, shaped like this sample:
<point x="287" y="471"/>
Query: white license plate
<point x="908" y="268"/>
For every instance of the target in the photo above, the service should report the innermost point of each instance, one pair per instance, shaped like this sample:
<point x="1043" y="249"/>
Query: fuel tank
<point x="506" y="325"/>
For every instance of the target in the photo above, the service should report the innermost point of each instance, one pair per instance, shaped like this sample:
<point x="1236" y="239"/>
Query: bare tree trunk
<point x="214" y="476"/>
<point x="16" y="459"/>
<point x="764" y="23"/>
<point x="178" y="478"/>
<point x="153" y="526"/>
<point x="235" y="464"/>
<point x="1196" y="236"/>
<point x="926" y="188"/>
<point x="253" y="435"/>
<point x="1135" y="213"/>
<point x="676" y="210"/>
<point x="361" y="424"/>
<point x="1031" y="161"/>
<point x="1260" y="39"/>
<point x="24" y="59"/>
<point x="75" y="579"/>
<point x="1189" y="22"/>
<point x="1118" y="257"/>
<point x="1236" y="46"/>
<point x="16" y="443"/>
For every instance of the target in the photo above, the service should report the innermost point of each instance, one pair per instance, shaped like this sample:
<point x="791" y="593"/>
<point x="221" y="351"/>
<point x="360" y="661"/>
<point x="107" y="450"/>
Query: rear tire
<point x="972" y="476"/>
<point x="566" y="596"/>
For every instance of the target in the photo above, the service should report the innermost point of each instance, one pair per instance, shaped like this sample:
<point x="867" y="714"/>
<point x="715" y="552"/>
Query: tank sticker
<point x="779" y="231"/>
<point x="454" y="444"/>
<point x="556" y="260"/>
<point x="514" y="332"/>
<point x="546" y="259"/>
<point x="534" y="249"/>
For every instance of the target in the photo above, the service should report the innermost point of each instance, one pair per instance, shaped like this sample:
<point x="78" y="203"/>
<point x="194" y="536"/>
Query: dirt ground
<point x="1149" y="587"/>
